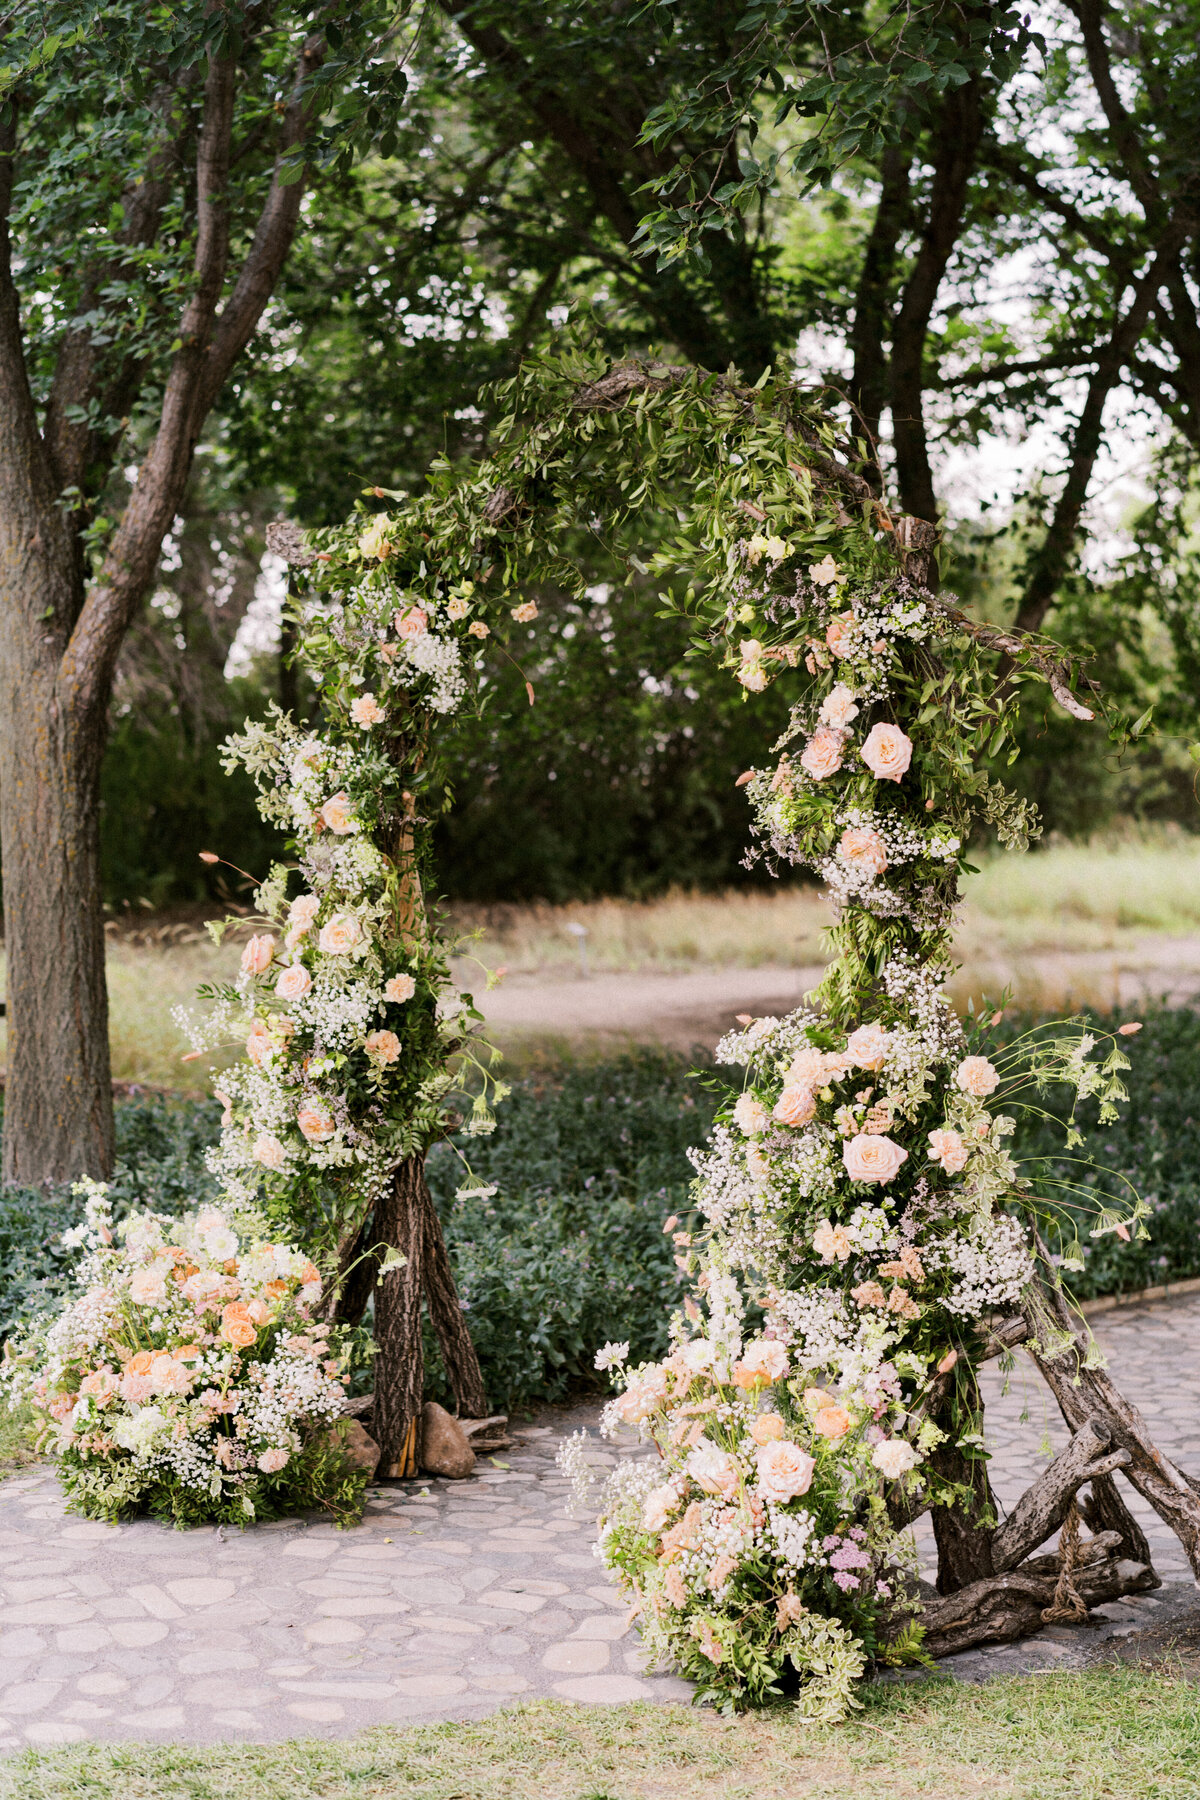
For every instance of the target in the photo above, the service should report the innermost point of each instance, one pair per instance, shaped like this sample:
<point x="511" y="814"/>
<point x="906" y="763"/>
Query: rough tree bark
<point x="60" y="637"/>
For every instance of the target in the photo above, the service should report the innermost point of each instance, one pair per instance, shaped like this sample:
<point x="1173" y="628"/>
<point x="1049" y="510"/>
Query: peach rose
<point x="316" y="1122"/>
<point x="831" y="1422"/>
<point x="768" y="1357"/>
<point x="947" y="1148"/>
<point x="399" y="989"/>
<point x="795" y="1106"/>
<point x="784" y="1471"/>
<point x="871" y="1158"/>
<point x="839" y="706"/>
<point x="868" y="1047"/>
<point x="188" y="1353"/>
<point x="838" y="633"/>
<point x="411" y="623"/>
<point x="147" y="1287"/>
<point x="238" y="1328"/>
<point x="822" y="755"/>
<point x="340" y="935"/>
<point x="382" y="1046"/>
<point x="293" y="983"/>
<point x="366" y="711"/>
<point x="975" y="1075"/>
<point x="338" y="814"/>
<point x="256" y="957"/>
<point x="887" y="752"/>
<point x="767" y="1428"/>
<point x="525" y="614"/>
<point x="859" y="847"/>
<point x="660" y="1502"/>
<point x="749" y="1114"/>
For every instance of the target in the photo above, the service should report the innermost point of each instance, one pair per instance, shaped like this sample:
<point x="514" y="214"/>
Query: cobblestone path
<point x="450" y="1599"/>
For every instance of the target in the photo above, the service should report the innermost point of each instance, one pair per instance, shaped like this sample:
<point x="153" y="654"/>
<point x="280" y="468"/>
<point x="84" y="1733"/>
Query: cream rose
<point x="867" y="1047"/>
<point x="975" y="1075"/>
<point x="795" y="1106"/>
<point x="887" y="752"/>
<point x="749" y="1114"/>
<point x="399" y="988"/>
<point x="340" y="935"/>
<point x="293" y="983"/>
<point x="147" y="1287"/>
<point x="366" y="711"/>
<point x="316" y="1122"/>
<point x="784" y="1471"/>
<point x="871" y="1158"/>
<point x="713" y="1470"/>
<point x="824" y="573"/>
<point x="894" y="1457"/>
<point x="948" y="1149"/>
<point x="822" y="755"/>
<point x="766" y="1356"/>
<point x="659" y="1504"/>
<point x="258" y="955"/>
<point x="860" y="847"/>
<point x="839" y="706"/>
<point x="338" y="814"/>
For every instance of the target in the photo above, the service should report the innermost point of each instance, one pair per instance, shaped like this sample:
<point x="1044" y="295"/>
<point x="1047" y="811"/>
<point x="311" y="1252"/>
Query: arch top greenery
<point x="860" y="1221"/>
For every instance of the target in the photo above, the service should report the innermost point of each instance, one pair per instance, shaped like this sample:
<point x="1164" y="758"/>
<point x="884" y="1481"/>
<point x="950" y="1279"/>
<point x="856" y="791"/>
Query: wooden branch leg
<point x="1082" y="1393"/>
<point x="356" y="1275"/>
<point x="400" y="1364"/>
<point x="963" y="1532"/>
<point x="1043" y="1507"/>
<point x="1104" y="1510"/>
<point x="446" y="1315"/>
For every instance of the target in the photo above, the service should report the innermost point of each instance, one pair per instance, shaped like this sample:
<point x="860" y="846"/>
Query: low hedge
<point x="586" y="1164"/>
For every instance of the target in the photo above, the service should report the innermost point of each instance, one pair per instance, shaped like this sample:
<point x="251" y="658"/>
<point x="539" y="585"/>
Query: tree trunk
<point x="400" y="1364"/>
<point x="58" y="1090"/>
<point x="963" y="1531"/>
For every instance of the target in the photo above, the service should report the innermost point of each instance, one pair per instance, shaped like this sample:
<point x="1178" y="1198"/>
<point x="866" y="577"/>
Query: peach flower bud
<point x="975" y="1075"/>
<point x="399" y="989"/>
<point x="1130" y="1029"/>
<point x="947" y="1363"/>
<point x="948" y="1149"/>
<point x="831" y="1422"/>
<point x="822" y="755"/>
<point x="366" y="711"/>
<point x="887" y="752"/>
<point x="838" y="633"/>
<point x="293" y="983"/>
<point x="257" y="956"/>
<point x="316" y="1122"/>
<point x="784" y="1471"/>
<point x="338" y="814"/>
<point x="871" y="1158"/>
<point x="795" y="1106"/>
<point x="411" y="623"/>
<point x="340" y="935"/>
<point x="767" y="1428"/>
<point x="383" y="1046"/>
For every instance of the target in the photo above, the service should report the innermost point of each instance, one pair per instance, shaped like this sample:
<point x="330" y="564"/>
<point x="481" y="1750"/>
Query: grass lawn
<point x="1126" y="1733"/>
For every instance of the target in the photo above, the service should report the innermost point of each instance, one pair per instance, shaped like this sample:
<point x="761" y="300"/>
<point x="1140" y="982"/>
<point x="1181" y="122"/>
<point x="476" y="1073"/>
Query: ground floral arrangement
<point x="189" y="1378"/>
<point x="861" y="1212"/>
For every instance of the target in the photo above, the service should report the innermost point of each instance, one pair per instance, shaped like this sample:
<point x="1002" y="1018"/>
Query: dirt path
<point x="695" y="1006"/>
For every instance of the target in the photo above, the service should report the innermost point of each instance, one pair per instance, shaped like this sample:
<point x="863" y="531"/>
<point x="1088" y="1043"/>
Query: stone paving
<point x="449" y="1600"/>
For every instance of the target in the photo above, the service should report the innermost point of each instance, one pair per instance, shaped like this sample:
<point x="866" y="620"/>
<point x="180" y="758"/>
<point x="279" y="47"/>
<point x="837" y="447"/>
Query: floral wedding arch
<point x="867" y="1241"/>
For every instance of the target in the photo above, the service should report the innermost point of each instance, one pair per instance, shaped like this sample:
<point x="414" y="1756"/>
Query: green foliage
<point x="570" y="1253"/>
<point x="316" y="1479"/>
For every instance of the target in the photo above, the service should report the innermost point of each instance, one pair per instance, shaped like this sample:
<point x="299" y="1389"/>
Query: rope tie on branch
<point x="1069" y="1606"/>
